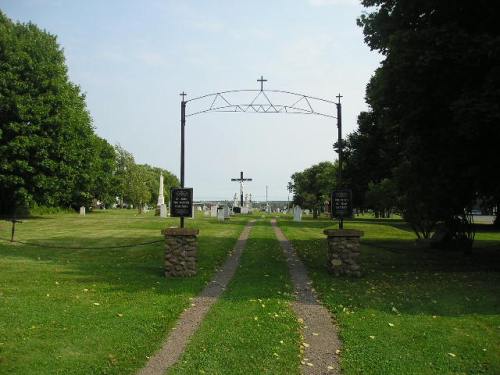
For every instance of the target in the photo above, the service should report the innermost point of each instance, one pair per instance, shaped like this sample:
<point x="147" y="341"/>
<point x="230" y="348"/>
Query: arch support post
<point x="183" y="125"/>
<point x="340" y="144"/>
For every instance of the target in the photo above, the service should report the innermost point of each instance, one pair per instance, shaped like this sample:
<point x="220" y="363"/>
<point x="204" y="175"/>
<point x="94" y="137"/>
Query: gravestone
<point x="206" y="212"/>
<point x="245" y="210"/>
<point x="306" y="212"/>
<point x="213" y="211"/>
<point x="220" y="214"/>
<point x="82" y="211"/>
<point x="297" y="213"/>
<point x="163" y="210"/>
<point x="226" y="212"/>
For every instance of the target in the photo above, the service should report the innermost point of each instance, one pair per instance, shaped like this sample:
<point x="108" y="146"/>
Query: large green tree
<point x="46" y="135"/>
<point x="435" y="103"/>
<point x="312" y="186"/>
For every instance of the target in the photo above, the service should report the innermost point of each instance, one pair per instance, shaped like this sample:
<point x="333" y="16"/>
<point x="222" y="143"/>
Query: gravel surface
<point x="191" y="318"/>
<point x="321" y="343"/>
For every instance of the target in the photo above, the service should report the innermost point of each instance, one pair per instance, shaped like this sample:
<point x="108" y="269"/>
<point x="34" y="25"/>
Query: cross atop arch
<point x="262" y="80"/>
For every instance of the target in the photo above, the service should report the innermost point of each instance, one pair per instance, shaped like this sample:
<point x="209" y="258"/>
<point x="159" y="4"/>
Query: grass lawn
<point x="414" y="311"/>
<point x="251" y="329"/>
<point x="102" y="311"/>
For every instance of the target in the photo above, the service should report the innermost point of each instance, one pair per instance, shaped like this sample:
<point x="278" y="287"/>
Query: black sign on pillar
<point x="181" y="202"/>
<point x="341" y="203"/>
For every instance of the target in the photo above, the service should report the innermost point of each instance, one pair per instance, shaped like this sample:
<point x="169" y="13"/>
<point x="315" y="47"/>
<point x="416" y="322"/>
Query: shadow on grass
<point x="131" y="269"/>
<point x="417" y="281"/>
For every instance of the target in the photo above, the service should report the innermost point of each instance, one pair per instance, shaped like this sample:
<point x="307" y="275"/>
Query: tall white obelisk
<point x="161" y="199"/>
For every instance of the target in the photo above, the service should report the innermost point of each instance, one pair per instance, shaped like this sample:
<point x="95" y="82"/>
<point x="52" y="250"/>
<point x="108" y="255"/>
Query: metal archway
<point x="230" y="101"/>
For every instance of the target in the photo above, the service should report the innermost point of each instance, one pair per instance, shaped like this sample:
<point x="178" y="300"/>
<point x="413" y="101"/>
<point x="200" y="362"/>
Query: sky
<point x="132" y="59"/>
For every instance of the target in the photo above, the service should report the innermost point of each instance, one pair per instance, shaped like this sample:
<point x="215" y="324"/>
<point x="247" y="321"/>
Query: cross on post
<point x="262" y="80"/>
<point x="183" y="94"/>
<point x="240" y="180"/>
<point x="339" y="96"/>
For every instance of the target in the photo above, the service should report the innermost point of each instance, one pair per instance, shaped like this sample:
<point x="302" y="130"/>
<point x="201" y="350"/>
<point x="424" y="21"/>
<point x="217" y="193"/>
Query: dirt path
<point x="191" y="318"/>
<point x="319" y="332"/>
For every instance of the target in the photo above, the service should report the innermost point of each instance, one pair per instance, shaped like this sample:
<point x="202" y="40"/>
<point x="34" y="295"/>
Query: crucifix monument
<point x="240" y="180"/>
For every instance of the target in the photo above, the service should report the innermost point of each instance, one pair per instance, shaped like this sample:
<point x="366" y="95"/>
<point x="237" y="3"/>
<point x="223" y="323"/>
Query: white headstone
<point x="82" y="211"/>
<point x="297" y="213"/>
<point x="220" y="214"/>
<point x="226" y="212"/>
<point x="245" y="210"/>
<point x="206" y="212"/>
<point x="213" y="211"/>
<point x="163" y="210"/>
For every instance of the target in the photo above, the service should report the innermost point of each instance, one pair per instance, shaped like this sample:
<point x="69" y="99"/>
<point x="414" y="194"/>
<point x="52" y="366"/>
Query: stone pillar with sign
<point x="343" y="244"/>
<point x="181" y="244"/>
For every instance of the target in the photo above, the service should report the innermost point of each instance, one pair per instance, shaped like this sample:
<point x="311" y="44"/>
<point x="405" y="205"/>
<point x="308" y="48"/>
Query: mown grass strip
<point x="251" y="329"/>
<point x="414" y="311"/>
<point x="95" y="311"/>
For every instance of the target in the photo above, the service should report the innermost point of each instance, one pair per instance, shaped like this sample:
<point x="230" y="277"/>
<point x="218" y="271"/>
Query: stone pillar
<point x="181" y="247"/>
<point x="343" y="248"/>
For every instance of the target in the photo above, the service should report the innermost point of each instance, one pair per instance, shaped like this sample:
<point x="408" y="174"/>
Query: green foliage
<point x="50" y="154"/>
<point x="139" y="184"/>
<point x="434" y="104"/>
<point x="382" y="197"/>
<point x="313" y="186"/>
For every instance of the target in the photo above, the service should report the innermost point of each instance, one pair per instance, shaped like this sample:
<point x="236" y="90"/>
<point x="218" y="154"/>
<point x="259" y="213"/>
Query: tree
<point x="136" y="186"/>
<point x="104" y="181"/>
<point x="139" y="183"/>
<point x="124" y="162"/>
<point x="381" y="197"/>
<point x="437" y="96"/>
<point x="313" y="186"/>
<point x="370" y="154"/>
<point x="46" y="133"/>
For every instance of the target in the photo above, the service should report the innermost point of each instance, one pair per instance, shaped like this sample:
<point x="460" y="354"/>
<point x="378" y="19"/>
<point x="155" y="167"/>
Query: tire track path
<point x="191" y="318"/>
<point x="321" y="342"/>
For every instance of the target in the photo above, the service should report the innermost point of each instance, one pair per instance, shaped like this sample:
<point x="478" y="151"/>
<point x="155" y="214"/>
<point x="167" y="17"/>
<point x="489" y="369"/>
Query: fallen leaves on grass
<point x="452" y="355"/>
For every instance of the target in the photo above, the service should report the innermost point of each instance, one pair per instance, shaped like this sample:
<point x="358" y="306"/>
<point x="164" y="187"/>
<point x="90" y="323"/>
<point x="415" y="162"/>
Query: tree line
<point x="49" y="153"/>
<point x="427" y="145"/>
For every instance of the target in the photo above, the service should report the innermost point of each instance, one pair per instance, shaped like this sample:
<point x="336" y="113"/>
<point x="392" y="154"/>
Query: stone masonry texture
<point x="343" y="249"/>
<point x="181" y="248"/>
